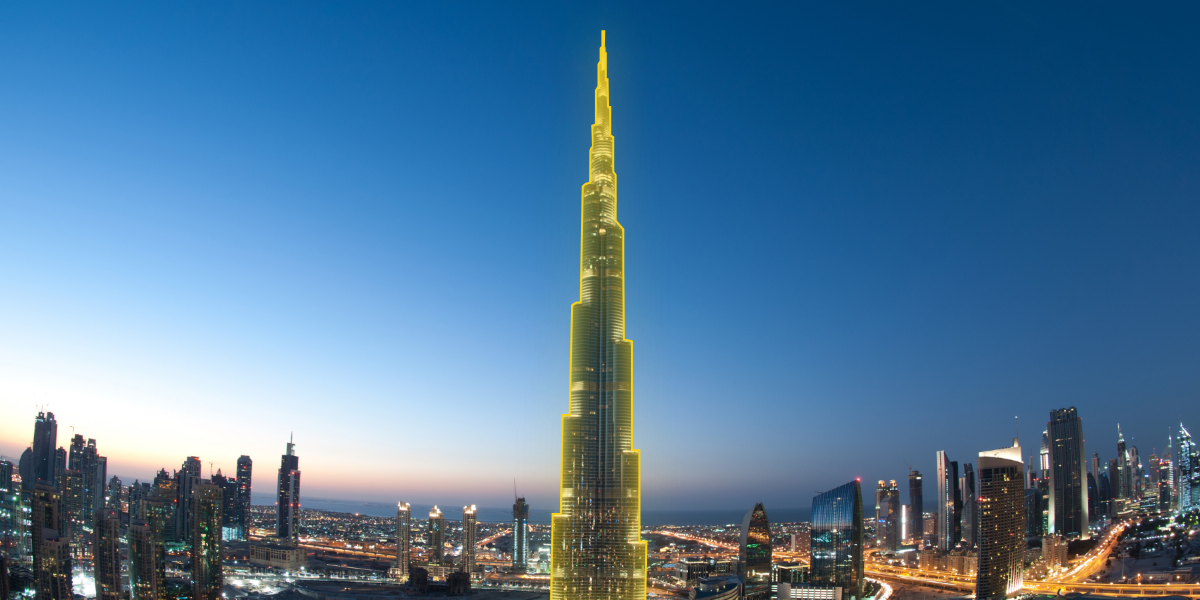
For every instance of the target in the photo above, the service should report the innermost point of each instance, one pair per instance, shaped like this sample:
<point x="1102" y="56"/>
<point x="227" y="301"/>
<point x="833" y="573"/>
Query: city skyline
<point x="875" y="266"/>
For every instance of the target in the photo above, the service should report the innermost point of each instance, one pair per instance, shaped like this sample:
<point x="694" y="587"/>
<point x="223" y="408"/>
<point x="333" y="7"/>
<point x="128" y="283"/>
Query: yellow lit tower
<point x="596" y="548"/>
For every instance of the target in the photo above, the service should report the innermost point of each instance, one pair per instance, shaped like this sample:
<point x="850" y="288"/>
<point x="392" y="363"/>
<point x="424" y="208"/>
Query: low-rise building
<point x="281" y="557"/>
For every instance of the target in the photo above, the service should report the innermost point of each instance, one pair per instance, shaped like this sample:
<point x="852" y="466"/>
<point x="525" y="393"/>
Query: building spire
<point x="603" y="110"/>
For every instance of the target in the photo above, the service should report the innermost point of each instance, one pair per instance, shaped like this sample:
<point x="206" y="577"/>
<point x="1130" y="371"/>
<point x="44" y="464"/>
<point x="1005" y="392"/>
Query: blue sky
<point x="857" y="234"/>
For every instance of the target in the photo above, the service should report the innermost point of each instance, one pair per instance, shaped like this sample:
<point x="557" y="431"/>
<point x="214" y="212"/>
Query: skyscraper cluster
<point x="437" y="561"/>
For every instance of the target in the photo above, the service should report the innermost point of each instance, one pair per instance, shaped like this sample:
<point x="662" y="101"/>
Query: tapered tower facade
<point x="596" y="548"/>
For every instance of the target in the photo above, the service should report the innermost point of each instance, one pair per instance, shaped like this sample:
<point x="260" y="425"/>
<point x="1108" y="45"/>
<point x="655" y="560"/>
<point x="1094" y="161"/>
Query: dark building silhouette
<point x="520" y="556"/>
<point x="186" y="481"/>
<point x="1068" y="506"/>
<point x="107" y="554"/>
<point x="207" y="576"/>
<point x="44" y="455"/>
<point x="916" y="505"/>
<point x="245" y="466"/>
<point x="969" y="520"/>
<point x="1001" y="523"/>
<point x="836" y="540"/>
<point x="437" y="536"/>
<point x="288" y="496"/>
<point x="754" y="551"/>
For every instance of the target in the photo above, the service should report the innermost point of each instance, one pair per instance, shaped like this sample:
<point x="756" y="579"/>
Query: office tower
<point x="45" y="438"/>
<point x="207" y="578"/>
<point x="1096" y="465"/>
<point x="403" y="537"/>
<point x="916" y="504"/>
<point x="1125" y="483"/>
<point x="468" y="545"/>
<point x="956" y="494"/>
<point x="95" y="470"/>
<point x="596" y="548"/>
<point x="437" y="536"/>
<point x="1164" y="483"/>
<point x="836" y="540"/>
<point x="1068" y="506"/>
<point x="147" y="574"/>
<point x="1135" y="474"/>
<point x="1187" y="473"/>
<point x="1044" y="456"/>
<point x="186" y="481"/>
<point x="1093" y="505"/>
<point x="520" y="557"/>
<point x="754" y="551"/>
<point x="970" y="516"/>
<point x="113" y="495"/>
<point x="1001" y="523"/>
<point x="945" y="503"/>
<point x="1105" y="487"/>
<point x="107" y="554"/>
<point x="887" y="513"/>
<point x="1114" y="486"/>
<point x="228" y="501"/>
<point x="70" y="485"/>
<point x="288" y="500"/>
<point x="242" y="518"/>
<point x="51" y="551"/>
<point x="1033" y="512"/>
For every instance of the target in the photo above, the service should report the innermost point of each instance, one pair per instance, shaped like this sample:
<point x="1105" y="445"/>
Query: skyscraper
<point x="147" y="571"/>
<point x="754" y="550"/>
<point x="288" y="497"/>
<point x="51" y="550"/>
<point x="437" y="536"/>
<point x="520" y="556"/>
<point x="970" y="516"/>
<point x="1125" y="483"/>
<point x="45" y="438"/>
<point x="1001" y="523"/>
<point x="836" y="540"/>
<point x="596" y="548"/>
<point x="107" y="555"/>
<point x="1188" y="471"/>
<point x="946" y="480"/>
<point x="887" y="515"/>
<point x="468" y="545"/>
<point x="242" y="513"/>
<point x="186" y="480"/>
<point x="207" y="577"/>
<point x="403" y="537"/>
<point x="916" y="506"/>
<point x="1068" y="504"/>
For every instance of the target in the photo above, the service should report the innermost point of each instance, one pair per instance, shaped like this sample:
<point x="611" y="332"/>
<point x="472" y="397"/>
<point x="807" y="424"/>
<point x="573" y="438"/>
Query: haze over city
<point x="855" y="236"/>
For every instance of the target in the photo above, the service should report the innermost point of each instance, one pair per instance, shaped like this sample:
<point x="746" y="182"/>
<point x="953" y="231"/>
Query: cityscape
<point x="1057" y="510"/>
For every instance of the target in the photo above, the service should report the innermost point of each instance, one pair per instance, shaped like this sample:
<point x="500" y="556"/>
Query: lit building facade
<point x="147" y="567"/>
<point x="968" y="500"/>
<point x="403" y="538"/>
<point x="520" y="556"/>
<point x="596" y="548"/>
<point x="51" y="549"/>
<point x="207" y="576"/>
<point x="754" y="550"/>
<point x="469" y="521"/>
<point x="287" y="520"/>
<point x="947" y="481"/>
<point x="245" y="471"/>
<point x="916" y="507"/>
<point x="1068" y="505"/>
<point x="887" y="515"/>
<point x="1001" y="534"/>
<point x="1187" y="471"/>
<point x="437" y="536"/>
<point x="836" y="540"/>
<point x="106" y="562"/>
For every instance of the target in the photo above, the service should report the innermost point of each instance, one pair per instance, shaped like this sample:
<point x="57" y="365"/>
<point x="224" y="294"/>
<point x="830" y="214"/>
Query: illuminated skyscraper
<point x="1187" y="473"/>
<point x="468" y="544"/>
<point x="946" y="481"/>
<point x="970" y="517"/>
<point x="437" y="536"/>
<point x="916" y="507"/>
<point x="51" y="551"/>
<point x="207" y="577"/>
<point x="107" y="554"/>
<point x="1001" y="535"/>
<point x="1068" y="504"/>
<point x="242" y="512"/>
<point x="147" y="575"/>
<point x="520" y="557"/>
<point x="754" y="550"/>
<point x="287" y="505"/>
<point x="836" y="540"/>
<point x="596" y="548"/>
<point x="403" y="538"/>
<point x="186" y="480"/>
<point x="887" y="515"/>
<point x="45" y="438"/>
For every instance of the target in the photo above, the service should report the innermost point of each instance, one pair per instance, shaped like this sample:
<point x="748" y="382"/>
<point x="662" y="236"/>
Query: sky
<point x="857" y="233"/>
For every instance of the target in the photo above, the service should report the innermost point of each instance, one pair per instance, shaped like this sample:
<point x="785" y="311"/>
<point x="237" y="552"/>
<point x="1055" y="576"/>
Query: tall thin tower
<point x="596" y="548"/>
<point x="287" y="506"/>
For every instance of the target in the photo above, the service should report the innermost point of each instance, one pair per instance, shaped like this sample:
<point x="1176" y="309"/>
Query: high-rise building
<point x="147" y="570"/>
<point x="1093" y="491"/>
<point x="946" y="482"/>
<point x="956" y="495"/>
<point x="1001" y="523"/>
<point x="1125" y="483"/>
<point x="229" y="505"/>
<point x="95" y="471"/>
<point x="836" y="541"/>
<point x="887" y="515"/>
<point x="186" y="480"/>
<point x="1187" y="473"/>
<point x="1164" y="483"/>
<point x="596" y="548"/>
<point x="287" y="505"/>
<point x="70" y="486"/>
<point x="520" y="556"/>
<point x="242" y="513"/>
<point x="468" y="545"/>
<point x="754" y="550"/>
<point x="970" y="518"/>
<point x="916" y="505"/>
<point x="207" y="577"/>
<point x="1068" y="506"/>
<point x="437" y="536"/>
<point x="45" y="439"/>
<point x="51" y="550"/>
<point x="403" y="537"/>
<point x="107" y="554"/>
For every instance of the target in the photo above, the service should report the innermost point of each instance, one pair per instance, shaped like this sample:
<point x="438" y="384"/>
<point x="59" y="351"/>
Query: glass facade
<point x="107" y="562"/>
<point x="596" y="548"/>
<point x="207" y="576"/>
<point x="437" y="536"/>
<point x="288" y="501"/>
<point x="403" y="537"/>
<point x="468" y="545"/>
<point x="916" y="507"/>
<point x="754" y="558"/>
<point x="1068" y="504"/>
<point x="1188" y="471"/>
<point x="520" y="556"/>
<point x="836" y="540"/>
<point x="1001" y="533"/>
